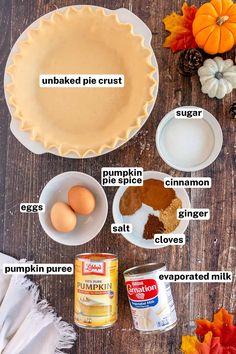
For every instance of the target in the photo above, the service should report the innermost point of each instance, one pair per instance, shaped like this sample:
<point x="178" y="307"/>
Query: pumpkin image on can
<point x="214" y="26"/>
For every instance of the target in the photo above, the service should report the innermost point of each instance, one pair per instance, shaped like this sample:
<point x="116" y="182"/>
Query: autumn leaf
<point x="217" y="337"/>
<point x="191" y="344"/>
<point x="180" y="27"/>
<point x="210" y="345"/>
<point x="222" y="327"/>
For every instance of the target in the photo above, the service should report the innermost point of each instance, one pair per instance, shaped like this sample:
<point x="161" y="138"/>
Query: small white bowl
<point x="131" y="237"/>
<point x="189" y="144"/>
<point x="56" y="190"/>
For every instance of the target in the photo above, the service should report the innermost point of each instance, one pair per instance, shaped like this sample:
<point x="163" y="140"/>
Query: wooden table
<point x="210" y="244"/>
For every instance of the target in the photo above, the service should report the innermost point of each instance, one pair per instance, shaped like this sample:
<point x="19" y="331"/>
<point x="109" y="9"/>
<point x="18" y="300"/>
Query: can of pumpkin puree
<point x="151" y="301"/>
<point x="96" y="290"/>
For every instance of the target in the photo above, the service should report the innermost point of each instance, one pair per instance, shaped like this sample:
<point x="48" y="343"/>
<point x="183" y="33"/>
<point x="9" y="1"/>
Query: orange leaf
<point x="180" y="27"/>
<point x="217" y="337"/>
<point x="222" y="327"/>
<point x="191" y="344"/>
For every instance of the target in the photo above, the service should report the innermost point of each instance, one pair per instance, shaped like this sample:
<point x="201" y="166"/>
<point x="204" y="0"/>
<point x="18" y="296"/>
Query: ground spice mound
<point x="169" y="215"/>
<point x="156" y="195"/>
<point x="152" y="227"/>
<point x="152" y="193"/>
<point x="130" y="201"/>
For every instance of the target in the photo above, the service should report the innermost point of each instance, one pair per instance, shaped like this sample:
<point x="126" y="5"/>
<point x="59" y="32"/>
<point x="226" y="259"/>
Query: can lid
<point x="97" y="256"/>
<point x="145" y="268"/>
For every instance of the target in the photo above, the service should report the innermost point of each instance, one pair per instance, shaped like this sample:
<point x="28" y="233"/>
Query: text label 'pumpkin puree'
<point x="155" y="195"/>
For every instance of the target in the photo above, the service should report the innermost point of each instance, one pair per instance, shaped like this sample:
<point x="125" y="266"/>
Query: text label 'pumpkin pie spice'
<point x="121" y="176"/>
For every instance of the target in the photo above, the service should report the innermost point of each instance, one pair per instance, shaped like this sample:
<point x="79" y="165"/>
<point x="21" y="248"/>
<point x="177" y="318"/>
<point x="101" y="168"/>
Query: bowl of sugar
<point x="189" y="138"/>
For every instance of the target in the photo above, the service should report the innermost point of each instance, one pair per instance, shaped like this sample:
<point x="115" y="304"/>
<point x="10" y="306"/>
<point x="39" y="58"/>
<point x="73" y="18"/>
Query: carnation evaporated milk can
<point x="151" y="301"/>
<point x="96" y="290"/>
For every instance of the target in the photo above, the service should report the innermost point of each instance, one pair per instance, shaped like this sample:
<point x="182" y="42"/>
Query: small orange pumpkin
<point x="214" y="26"/>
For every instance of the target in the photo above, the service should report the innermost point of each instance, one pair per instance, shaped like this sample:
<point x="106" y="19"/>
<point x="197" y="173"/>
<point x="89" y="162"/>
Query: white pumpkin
<point x="218" y="77"/>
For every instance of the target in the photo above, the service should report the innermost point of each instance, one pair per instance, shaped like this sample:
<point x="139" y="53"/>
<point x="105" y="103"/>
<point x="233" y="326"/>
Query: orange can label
<point x="96" y="290"/>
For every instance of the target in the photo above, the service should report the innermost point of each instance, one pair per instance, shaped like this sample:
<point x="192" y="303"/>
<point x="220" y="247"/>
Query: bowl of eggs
<point x="75" y="208"/>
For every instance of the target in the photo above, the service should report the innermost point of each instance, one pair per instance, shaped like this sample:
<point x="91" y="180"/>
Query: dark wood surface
<point x="211" y="244"/>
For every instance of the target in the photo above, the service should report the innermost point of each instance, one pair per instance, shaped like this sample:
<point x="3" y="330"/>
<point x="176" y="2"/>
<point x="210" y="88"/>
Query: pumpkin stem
<point x="221" y="20"/>
<point x="219" y="75"/>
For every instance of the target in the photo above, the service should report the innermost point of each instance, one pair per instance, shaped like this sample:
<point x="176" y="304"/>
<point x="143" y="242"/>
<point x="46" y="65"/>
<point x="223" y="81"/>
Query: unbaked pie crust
<point x="81" y="120"/>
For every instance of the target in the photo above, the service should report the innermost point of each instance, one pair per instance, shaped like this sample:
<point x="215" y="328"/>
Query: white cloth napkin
<point x="4" y="281"/>
<point x="27" y="325"/>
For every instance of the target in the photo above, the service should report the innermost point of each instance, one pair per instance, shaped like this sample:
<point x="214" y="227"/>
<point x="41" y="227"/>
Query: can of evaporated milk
<point x="151" y="301"/>
<point x="96" y="290"/>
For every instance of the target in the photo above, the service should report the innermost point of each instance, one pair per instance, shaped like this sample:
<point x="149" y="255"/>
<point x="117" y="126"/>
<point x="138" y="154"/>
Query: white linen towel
<point x="27" y="325"/>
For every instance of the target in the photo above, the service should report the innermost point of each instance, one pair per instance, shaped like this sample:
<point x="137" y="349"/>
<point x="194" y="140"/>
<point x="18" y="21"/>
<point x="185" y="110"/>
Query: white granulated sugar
<point x="187" y="142"/>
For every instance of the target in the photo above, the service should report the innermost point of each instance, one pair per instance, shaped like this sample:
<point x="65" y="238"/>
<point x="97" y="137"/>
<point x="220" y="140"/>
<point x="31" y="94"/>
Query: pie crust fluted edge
<point x="62" y="150"/>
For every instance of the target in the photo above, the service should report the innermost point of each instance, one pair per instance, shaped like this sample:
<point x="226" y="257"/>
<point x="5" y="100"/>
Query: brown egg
<point x="63" y="217"/>
<point x="81" y="200"/>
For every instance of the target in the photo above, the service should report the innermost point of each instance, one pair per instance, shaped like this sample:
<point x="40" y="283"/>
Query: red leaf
<point x="216" y="337"/>
<point x="222" y="327"/>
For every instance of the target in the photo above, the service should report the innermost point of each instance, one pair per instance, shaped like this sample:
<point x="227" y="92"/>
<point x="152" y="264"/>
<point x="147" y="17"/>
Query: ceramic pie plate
<point x="139" y="28"/>
<point x="131" y="237"/>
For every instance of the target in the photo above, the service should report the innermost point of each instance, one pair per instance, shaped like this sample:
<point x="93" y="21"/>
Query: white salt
<point x="139" y="219"/>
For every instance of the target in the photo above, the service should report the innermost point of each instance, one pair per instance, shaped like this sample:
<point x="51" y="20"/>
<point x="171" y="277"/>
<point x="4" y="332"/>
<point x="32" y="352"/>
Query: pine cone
<point x="232" y="110"/>
<point x="190" y="61"/>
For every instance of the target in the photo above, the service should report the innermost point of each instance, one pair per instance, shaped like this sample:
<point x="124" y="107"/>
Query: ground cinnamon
<point x="156" y="195"/>
<point x="152" y="193"/>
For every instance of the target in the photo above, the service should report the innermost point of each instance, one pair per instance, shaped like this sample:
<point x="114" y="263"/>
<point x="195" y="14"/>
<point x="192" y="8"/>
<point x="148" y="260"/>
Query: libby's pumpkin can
<point x="96" y="290"/>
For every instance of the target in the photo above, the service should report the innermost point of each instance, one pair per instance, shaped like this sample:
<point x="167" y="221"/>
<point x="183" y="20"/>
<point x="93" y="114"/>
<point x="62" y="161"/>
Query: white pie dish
<point x="37" y="147"/>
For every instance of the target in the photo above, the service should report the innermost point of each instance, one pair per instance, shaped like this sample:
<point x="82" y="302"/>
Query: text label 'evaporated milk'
<point x="96" y="290"/>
